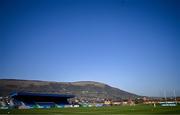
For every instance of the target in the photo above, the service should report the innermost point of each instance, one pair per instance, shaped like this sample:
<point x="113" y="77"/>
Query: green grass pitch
<point x="114" y="110"/>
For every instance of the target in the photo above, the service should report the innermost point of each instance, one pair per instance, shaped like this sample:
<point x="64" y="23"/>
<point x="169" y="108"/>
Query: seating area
<point x="30" y="104"/>
<point x="45" y="104"/>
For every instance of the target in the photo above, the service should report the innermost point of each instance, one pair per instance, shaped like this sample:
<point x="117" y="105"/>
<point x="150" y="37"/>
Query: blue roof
<point x="40" y="94"/>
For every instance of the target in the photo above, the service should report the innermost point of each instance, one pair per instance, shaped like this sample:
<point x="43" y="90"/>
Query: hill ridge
<point x="82" y="89"/>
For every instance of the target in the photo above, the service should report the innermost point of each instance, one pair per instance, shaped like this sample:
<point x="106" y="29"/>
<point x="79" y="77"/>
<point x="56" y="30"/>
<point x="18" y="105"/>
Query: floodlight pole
<point x="165" y="96"/>
<point x="175" y="97"/>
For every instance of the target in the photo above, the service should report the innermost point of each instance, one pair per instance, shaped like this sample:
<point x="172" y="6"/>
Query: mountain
<point x="81" y="89"/>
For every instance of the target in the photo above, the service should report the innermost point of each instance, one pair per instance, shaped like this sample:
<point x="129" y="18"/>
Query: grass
<point x="114" y="110"/>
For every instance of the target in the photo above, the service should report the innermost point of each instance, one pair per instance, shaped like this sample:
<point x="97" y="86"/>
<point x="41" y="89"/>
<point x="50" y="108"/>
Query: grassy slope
<point x="140" y="109"/>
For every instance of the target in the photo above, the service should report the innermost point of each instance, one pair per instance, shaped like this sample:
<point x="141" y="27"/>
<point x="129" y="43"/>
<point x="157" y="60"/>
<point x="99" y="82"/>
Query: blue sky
<point x="130" y="44"/>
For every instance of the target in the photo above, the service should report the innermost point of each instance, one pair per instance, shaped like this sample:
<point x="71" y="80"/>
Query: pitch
<point x="112" y="110"/>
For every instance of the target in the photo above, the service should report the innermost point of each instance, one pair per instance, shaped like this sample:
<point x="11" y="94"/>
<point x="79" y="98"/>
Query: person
<point x="154" y="105"/>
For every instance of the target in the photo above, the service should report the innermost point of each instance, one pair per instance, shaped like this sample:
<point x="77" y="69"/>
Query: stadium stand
<point x="38" y="100"/>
